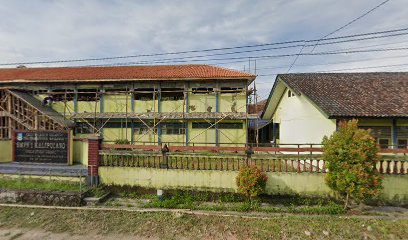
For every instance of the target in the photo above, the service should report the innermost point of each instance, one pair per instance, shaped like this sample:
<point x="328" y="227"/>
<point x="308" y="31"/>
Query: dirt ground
<point x="29" y="234"/>
<point x="42" y="223"/>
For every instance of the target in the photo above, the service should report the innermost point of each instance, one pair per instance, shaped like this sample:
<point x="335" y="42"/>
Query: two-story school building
<point x="188" y="105"/>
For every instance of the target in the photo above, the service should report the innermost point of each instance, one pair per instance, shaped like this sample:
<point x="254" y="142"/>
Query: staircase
<point x="21" y="111"/>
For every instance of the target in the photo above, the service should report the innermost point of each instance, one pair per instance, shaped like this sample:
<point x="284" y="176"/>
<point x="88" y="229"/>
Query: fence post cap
<point x="95" y="137"/>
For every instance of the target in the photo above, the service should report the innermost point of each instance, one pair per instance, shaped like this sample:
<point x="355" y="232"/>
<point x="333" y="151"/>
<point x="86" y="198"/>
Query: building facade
<point x="303" y="108"/>
<point x="190" y="105"/>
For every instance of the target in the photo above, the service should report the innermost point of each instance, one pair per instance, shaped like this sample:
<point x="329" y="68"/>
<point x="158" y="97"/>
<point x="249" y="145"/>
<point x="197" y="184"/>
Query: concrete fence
<point x="302" y="174"/>
<point x="395" y="186"/>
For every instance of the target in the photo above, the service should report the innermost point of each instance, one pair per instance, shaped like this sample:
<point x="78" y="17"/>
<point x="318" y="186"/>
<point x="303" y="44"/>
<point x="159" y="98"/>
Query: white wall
<point x="300" y="121"/>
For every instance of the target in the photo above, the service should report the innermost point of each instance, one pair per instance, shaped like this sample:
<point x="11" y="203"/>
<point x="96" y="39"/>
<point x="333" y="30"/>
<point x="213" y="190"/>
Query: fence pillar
<point x="94" y="144"/>
<point x="249" y="151"/>
<point x="165" y="162"/>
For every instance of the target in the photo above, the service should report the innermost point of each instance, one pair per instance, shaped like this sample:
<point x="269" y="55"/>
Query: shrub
<point x="351" y="155"/>
<point x="251" y="181"/>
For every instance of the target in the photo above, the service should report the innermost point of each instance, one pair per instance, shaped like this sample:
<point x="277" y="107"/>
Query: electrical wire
<point x="205" y="50"/>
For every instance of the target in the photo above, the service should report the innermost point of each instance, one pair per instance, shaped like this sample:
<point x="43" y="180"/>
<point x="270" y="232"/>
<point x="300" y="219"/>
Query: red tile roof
<point x="376" y="94"/>
<point x="156" y="72"/>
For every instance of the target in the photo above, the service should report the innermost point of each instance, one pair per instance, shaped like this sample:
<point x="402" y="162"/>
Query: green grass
<point x="96" y="192"/>
<point x="234" y="202"/>
<point x="165" y="225"/>
<point x="39" y="184"/>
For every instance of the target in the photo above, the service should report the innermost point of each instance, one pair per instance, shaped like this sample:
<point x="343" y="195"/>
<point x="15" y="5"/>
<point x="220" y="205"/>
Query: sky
<point x="35" y="30"/>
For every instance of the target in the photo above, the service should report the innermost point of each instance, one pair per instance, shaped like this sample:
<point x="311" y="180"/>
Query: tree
<point x="251" y="181"/>
<point x="351" y="155"/>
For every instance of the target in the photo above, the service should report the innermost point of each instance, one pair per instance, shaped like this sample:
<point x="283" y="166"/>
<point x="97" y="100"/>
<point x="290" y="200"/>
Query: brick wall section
<point x="93" y="155"/>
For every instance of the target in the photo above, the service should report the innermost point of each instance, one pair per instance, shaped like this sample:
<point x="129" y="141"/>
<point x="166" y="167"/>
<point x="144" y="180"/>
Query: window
<point x="141" y="129"/>
<point x="202" y="90"/>
<point x="231" y="90"/>
<point x="383" y="142"/>
<point x="172" y="94"/>
<point x="230" y="125"/>
<point x="83" y="128"/>
<point x="117" y="124"/>
<point x="172" y="128"/>
<point x="379" y="132"/>
<point x="118" y="90"/>
<point x="145" y="94"/>
<point x="89" y="95"/>
<point x="203" y="125"/>
<point x="40" y="92"/>
<point x="145" y="131"/>
<point x="60" y="95"/>
<point x="402" y="143"/>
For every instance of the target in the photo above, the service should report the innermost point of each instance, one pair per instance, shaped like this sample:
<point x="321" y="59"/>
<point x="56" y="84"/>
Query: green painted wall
<point x="201" y="136"/>
<point x="232" y="137"/>
<point x="5" y="150"/>
<point x="85" y="106"/>
<point x="173" y="139"/>
<point x="145" y="106"/>
<point x="159" y="178"/>
<point x="201" y="102"/>
<point x="172" y="106"/>
<point x="116" y="103"/>
<point x="80" y="153"/>
<point x="112" y="134"/>
<point x="232" y="102"/>
<point x="395" y="187"/>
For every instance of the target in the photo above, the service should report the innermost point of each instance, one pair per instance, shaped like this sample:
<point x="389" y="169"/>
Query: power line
<point x="341" y="69"/>
<point x="353" y="21"/>
<point x="339" y="62"/>
<point x="246" y="51"/>
<point x="208" y="50"/>
<point x="264" y="57"/>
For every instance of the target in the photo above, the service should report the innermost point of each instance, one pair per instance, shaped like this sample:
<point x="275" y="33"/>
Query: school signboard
<point x="41" y="146"/>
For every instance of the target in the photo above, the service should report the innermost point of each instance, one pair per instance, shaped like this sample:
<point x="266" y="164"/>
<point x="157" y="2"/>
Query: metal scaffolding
<point x="16" y="113"/>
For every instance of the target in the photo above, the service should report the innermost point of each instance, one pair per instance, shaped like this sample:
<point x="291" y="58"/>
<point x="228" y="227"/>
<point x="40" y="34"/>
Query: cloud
<point x="73" y="29"/>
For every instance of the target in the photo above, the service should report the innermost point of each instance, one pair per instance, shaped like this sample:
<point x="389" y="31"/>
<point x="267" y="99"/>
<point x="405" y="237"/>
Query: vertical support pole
<point x="246" y="111"/>
<point x="394" y="134"/>
<point x="132" y="100"/>
<point x="132" y="106"/>
<point x="13" y="142"/>
<point x="75" y="100"/>
<point x="9" y="107"/>
<point x="274" y="133"/>
<point x="159" y="110"/>
<point x="186" y="91"/>
<point x="186" y="130"/>
<point x="101" y="107"/>
<point x="217" y="111"/>
<point x="94" y="144"/>
<point x="337" y="124"/>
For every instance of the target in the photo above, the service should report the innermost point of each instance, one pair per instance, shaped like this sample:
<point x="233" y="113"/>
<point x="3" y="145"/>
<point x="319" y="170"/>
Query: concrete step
<point x="43" y="169"/>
